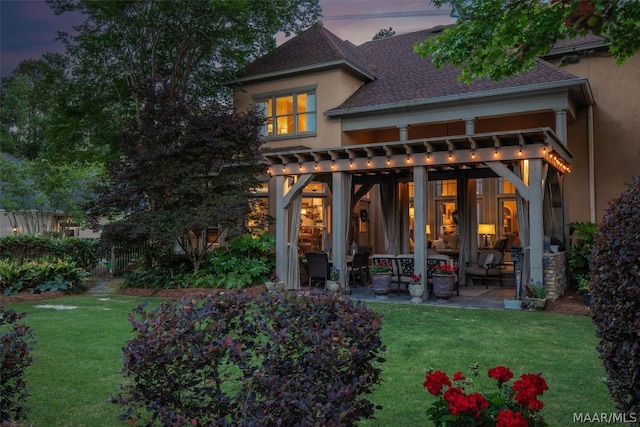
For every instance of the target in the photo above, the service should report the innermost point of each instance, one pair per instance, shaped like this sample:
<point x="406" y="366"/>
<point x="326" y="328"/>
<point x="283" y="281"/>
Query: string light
<point x="388" y="160"/>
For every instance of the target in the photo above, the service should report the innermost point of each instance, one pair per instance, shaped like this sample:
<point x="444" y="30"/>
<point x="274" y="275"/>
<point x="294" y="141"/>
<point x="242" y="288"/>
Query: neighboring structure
<point x="371" y="143"/>
<point x="35" y="220"/>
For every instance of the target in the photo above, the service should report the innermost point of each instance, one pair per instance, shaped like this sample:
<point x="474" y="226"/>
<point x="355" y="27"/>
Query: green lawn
<point x="78" y="358"/>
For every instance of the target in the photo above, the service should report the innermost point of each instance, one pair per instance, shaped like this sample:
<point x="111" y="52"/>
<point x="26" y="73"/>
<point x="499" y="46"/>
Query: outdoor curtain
<point x="467" y="220"/>
<point x="293" y="272"/>
<point x="522" y="206"/>
<point x="389" y="200"/>
<point x="346" y="207"/>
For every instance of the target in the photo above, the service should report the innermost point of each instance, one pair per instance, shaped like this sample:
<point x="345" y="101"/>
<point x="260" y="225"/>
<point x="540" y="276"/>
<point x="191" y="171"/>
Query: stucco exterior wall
<point x="616" y="136"/>
<point x="333" y="88"/>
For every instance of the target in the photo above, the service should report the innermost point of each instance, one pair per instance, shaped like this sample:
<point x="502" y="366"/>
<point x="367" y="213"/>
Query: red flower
<point x="500" y="374"/>
<point x="460" y="403"/>
<point x="527" y="388"/>
<point x="508" y="418"/>
<point x="458" y="376"/>
<point x="445" y="269"/>
<point x="457" y="400"/>
<point x="476" y="403"/>
<point x="435" y="381"/>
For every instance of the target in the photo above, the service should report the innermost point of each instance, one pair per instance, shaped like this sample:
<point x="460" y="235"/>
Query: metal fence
<point x="119" y="262"/>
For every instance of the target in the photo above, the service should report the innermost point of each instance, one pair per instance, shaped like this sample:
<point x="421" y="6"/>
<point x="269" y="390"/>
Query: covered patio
<point x="531" y="159"/>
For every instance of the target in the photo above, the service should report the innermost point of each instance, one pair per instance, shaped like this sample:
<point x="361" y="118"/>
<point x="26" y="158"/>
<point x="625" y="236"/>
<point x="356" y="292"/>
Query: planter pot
<point x="443" y="286"/>
<point x="381" y="284"/>
<point x="274" y="286"/>
<point x="512" y="304"/>
<point x="535" y="303"/>
<point x="416" y="292"/>
<point x="333" y="286"/>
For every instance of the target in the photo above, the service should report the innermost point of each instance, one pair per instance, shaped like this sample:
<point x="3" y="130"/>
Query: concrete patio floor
<point x="471" y="296"/>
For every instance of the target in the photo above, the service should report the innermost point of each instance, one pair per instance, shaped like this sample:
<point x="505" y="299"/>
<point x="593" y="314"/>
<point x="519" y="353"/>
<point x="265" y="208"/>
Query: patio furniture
<point x="356" y="269"/>
<point x="489" y="265"/>
<point x="500" y="244"/>
<point x="405" y="269"/>
<point x="317" y="267"/>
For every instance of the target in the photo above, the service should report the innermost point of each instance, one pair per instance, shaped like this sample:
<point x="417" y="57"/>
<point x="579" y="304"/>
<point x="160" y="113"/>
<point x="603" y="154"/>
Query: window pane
<point x="265" y="107"/>
<point x="448" y="188"/>
<point x="302" y="103"/>
<point x="284" y="125"/>
<point x="284" y="105"/>
<point x="307" y="122"/>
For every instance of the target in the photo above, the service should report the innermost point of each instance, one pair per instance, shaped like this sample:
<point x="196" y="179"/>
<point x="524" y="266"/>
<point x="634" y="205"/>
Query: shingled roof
<point x="315" y="48"/>
<point x="394" y="75"/>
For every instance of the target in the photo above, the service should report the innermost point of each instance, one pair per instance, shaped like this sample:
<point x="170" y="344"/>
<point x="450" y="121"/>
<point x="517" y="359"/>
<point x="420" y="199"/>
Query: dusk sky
<point x="29" y="28"/>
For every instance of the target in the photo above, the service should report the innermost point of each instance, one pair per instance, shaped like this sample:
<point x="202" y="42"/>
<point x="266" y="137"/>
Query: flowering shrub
<point x="274" y="276"/>
<point x="459" y="404"/>
<point x="381" y="267"/>
<point x="416" y="279"/>
<point x="445" y="269"/>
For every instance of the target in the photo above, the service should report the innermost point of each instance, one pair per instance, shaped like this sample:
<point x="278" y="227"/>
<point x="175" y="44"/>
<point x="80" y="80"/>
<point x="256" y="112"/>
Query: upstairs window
<point x="289" y="114"/>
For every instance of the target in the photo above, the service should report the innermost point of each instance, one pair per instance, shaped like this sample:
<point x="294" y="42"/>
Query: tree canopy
<point x="184" y="168"/>
<point x="186" y="48"/>
<point x="496" y="39"/>
<point x="384" y="33"/>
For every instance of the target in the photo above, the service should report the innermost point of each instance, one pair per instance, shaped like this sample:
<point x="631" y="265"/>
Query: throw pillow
<point x="488" y="260"/>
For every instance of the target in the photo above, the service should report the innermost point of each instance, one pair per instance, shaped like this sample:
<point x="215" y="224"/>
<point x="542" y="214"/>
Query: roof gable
<point x="394" y="75"/>
<point x="314" y="48"/>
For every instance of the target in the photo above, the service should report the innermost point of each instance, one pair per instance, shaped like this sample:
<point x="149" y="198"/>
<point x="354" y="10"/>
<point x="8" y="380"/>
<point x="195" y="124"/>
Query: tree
<point x="186" y="48"/>
<point x="36" y="191"/>
<point x="168" y="65"/>
<point x="185" y="167"/>
<point x="496" y="39"/>
<point x="384" y="33"/>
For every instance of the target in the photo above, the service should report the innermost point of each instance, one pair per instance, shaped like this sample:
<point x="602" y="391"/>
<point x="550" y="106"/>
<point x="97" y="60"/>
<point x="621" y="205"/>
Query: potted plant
<point x="274" y="284"/>
<point x="416" y="288"/>
<point x="334" y="277"/>
<point x="381" y="272"/>
<point x="535" y="296"/>
<point x="583" y="286"/>
<point x="444" y="280"/>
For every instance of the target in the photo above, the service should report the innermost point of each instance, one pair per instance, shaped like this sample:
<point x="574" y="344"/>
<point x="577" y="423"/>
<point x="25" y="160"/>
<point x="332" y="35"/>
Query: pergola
<point x="464" y="158"/>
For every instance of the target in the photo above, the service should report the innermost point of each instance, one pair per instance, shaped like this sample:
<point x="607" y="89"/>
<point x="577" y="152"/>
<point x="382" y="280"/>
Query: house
<point x="372" y="144"/>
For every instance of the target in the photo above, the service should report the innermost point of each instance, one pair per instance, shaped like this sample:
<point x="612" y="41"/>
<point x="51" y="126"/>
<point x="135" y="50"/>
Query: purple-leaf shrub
<point x="615" y="288"/>
<point x="236" y="359"/>
<point x="15" y="356"/>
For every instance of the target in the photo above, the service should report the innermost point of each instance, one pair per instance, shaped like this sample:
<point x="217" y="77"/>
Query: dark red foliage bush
<point x="15" y="355"/>
<point x="235" y="359"/>
<point x="615" y="288"/>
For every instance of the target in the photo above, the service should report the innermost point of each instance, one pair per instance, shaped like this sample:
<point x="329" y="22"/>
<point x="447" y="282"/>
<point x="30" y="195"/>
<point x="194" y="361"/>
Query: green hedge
<point x="25" y="247"/>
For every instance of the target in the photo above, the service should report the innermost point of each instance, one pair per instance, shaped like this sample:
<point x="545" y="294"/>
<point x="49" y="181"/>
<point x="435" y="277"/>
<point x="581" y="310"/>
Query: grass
<point x="78" y="358"/>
